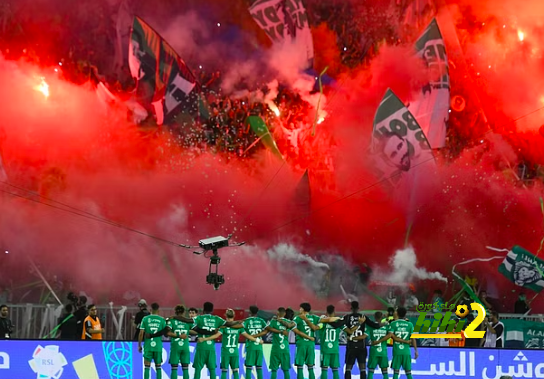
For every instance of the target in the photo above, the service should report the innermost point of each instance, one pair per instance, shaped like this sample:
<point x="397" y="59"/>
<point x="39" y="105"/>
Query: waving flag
<point x="523" y="268"/>
<point x="398" y="143"/>
<point x="261" y="130"/>
<point x="285" y="21"/>
<point x="165" y="84"/>
<point x="431" y="106"/>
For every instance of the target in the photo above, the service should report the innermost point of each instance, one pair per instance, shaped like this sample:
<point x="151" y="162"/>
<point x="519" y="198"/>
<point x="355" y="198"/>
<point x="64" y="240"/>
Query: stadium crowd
<point x="82" y="38"/>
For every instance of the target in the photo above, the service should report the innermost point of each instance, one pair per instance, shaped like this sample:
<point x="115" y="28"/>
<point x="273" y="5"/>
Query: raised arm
<point x="263" y="333"/>
<point x="337" y="324"/>
<point x="359" y="338"/>
<point x="383" y="339"/>
<point x="173" y="335"/>
<point x="309" y="323"/>
<point x="184" y="319"/>
<point x="303" y="335"/>
<point x="234" y="324"/>
<point x="162" y="332"/>
<point x="372" y="324"/>
<point x="251" y="338"/>
<point x="204" y="332"/>
<point x="350" y="331"/>
<point x="288" y="325"/>
<point x="277" y="331"/>
<point x="210" y="338"/>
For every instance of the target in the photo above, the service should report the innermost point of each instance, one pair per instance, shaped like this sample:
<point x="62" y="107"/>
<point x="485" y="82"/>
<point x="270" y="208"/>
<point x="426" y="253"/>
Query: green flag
<point x="523" y="334"/>
<point x="523" y="268"/>
<point x="261" y="130"/>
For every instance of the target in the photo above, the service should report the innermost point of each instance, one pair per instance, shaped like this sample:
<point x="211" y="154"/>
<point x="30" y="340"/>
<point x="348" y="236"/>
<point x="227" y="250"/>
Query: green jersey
<point x="152" y="324"/>
<point x="402" y="329"/>
<point x="280" y="342"/>
<point x="329" y="339"/>
<point x="207" y="322"/>
<point x="379" y="350"/>
<point x="230" y="340"/>
<point x="178" y="327"/>
<point x="304" y="328"/>
<point x="254" y="325"/>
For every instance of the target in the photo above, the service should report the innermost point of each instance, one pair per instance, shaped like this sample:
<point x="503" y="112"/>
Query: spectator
<point x="6" y="326"/>
<point x="193" y="312"/>
<point x="411" y="302"/>
<point x="393" y="298"/>
<point x="68" y="324"/>
<point x="80" y="314"/>
<point x="494" y="331"/>
<point x="142" y="304"/>
<point x="438" y="301"/>
<point x="521" y="306"/>
<point x="457" y="342"/>
<point x="489" y="303"/>
<point x="466" y="300"/>
<point x="93" y="329"/>
<point x="364" y="274"/>
<point x="472" y="281"/>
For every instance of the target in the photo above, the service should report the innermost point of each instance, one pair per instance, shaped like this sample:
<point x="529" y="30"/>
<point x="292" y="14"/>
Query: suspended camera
<point x="214" y="244"/>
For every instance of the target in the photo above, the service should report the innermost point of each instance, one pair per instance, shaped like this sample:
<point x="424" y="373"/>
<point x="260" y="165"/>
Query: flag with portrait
<point x="431" y="105"/>
<point x="398" y="144"/>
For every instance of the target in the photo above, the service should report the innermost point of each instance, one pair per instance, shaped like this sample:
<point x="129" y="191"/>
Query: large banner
<point x="286" y="21"/>
<point x="524" y="334"/>
<point x="164" y="82"/>
<point x="52" y="359"/>
<point x="398" y="143"/>
<point x="523" y="268"/>
<point x="431" y="106"/>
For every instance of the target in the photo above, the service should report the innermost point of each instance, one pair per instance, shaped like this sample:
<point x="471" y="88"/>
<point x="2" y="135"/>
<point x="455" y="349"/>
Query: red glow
<point x="69" y="149"/>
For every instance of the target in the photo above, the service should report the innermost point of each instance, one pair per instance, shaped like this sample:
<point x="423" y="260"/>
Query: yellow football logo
<point x="462" y="311"/>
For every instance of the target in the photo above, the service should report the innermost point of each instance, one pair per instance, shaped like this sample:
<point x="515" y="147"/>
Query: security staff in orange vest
<point x="92" y="329"/>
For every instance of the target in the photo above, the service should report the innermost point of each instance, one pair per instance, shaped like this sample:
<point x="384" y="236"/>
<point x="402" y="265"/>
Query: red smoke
<point x="69" y="150"/>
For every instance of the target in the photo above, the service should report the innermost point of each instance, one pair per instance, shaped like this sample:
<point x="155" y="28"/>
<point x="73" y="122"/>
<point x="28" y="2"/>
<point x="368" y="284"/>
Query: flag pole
<point x="319" y="100"/>
<point x="37" y="270"/>
<point x="408" y="231"/>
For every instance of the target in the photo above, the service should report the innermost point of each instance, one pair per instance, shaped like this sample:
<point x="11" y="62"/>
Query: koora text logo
<point x="442" y="323"/>
<point x="48" y="362"/>
<point x="4" y="361"/>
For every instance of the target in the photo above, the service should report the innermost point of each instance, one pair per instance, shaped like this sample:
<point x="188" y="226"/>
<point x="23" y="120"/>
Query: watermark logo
<point x="442" y="322"/>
